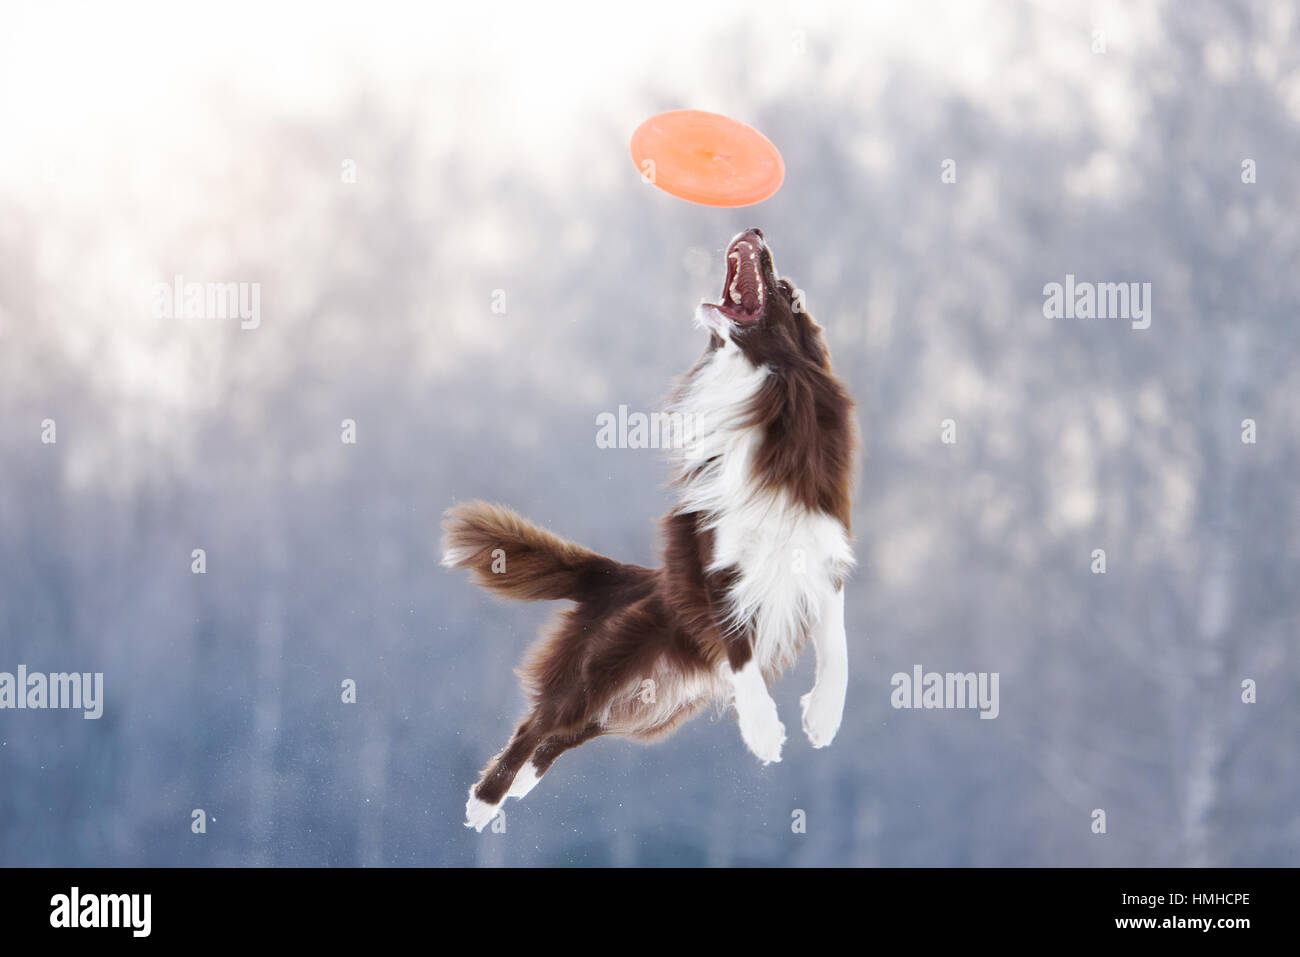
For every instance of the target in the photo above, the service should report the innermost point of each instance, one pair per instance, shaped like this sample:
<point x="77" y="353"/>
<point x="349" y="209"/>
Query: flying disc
<point x="707" y="158"/>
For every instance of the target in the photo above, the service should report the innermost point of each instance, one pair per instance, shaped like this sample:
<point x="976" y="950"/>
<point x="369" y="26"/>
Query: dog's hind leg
<point x="486" y="796"/>
<point x="545" y="756"/>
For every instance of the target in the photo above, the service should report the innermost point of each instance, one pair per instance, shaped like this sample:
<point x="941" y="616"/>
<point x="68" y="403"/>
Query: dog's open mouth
<point x="742" y="292"/>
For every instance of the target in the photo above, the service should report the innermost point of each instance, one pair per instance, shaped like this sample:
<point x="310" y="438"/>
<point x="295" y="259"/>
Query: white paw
<point x="821" y="716"/>
<point x="762" y="731"/>
<point x="479" y="814"/>
<point x="524" y="781"/>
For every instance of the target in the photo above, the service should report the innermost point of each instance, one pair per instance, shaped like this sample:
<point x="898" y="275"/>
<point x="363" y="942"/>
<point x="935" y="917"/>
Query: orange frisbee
<point x="707" y="158"/>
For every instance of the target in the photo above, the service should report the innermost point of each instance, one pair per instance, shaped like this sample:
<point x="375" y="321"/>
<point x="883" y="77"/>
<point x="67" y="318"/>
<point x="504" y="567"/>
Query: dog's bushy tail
<point x="512" y="557"/>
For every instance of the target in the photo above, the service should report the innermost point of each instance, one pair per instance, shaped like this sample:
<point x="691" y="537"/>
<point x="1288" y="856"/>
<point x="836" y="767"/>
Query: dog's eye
<point x="786" y="288"/>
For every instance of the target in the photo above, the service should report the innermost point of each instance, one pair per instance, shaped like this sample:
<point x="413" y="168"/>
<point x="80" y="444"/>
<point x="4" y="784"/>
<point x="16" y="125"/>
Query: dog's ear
<point x="808" y="331"/>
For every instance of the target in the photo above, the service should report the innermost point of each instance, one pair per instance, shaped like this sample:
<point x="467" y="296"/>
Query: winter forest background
<point x="489" y="144"/>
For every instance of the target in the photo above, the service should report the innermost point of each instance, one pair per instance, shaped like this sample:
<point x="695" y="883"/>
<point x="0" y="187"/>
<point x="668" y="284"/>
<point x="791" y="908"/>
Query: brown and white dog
<point x="755" y="556"/>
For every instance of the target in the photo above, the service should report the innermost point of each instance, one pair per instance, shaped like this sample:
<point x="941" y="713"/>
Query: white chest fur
<point x="788" y="556"/>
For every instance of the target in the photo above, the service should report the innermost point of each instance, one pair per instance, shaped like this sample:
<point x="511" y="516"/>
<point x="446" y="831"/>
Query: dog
<point x="756" y="552"/>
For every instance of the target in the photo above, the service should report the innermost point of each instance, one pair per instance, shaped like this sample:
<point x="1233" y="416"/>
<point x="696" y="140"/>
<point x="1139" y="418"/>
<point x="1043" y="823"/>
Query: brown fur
<point x="630" y="624"/>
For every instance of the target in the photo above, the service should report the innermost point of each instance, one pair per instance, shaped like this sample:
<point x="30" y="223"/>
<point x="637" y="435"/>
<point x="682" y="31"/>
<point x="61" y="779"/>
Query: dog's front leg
<point x="760" y="726"/>
<point x="823" y="707"/>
